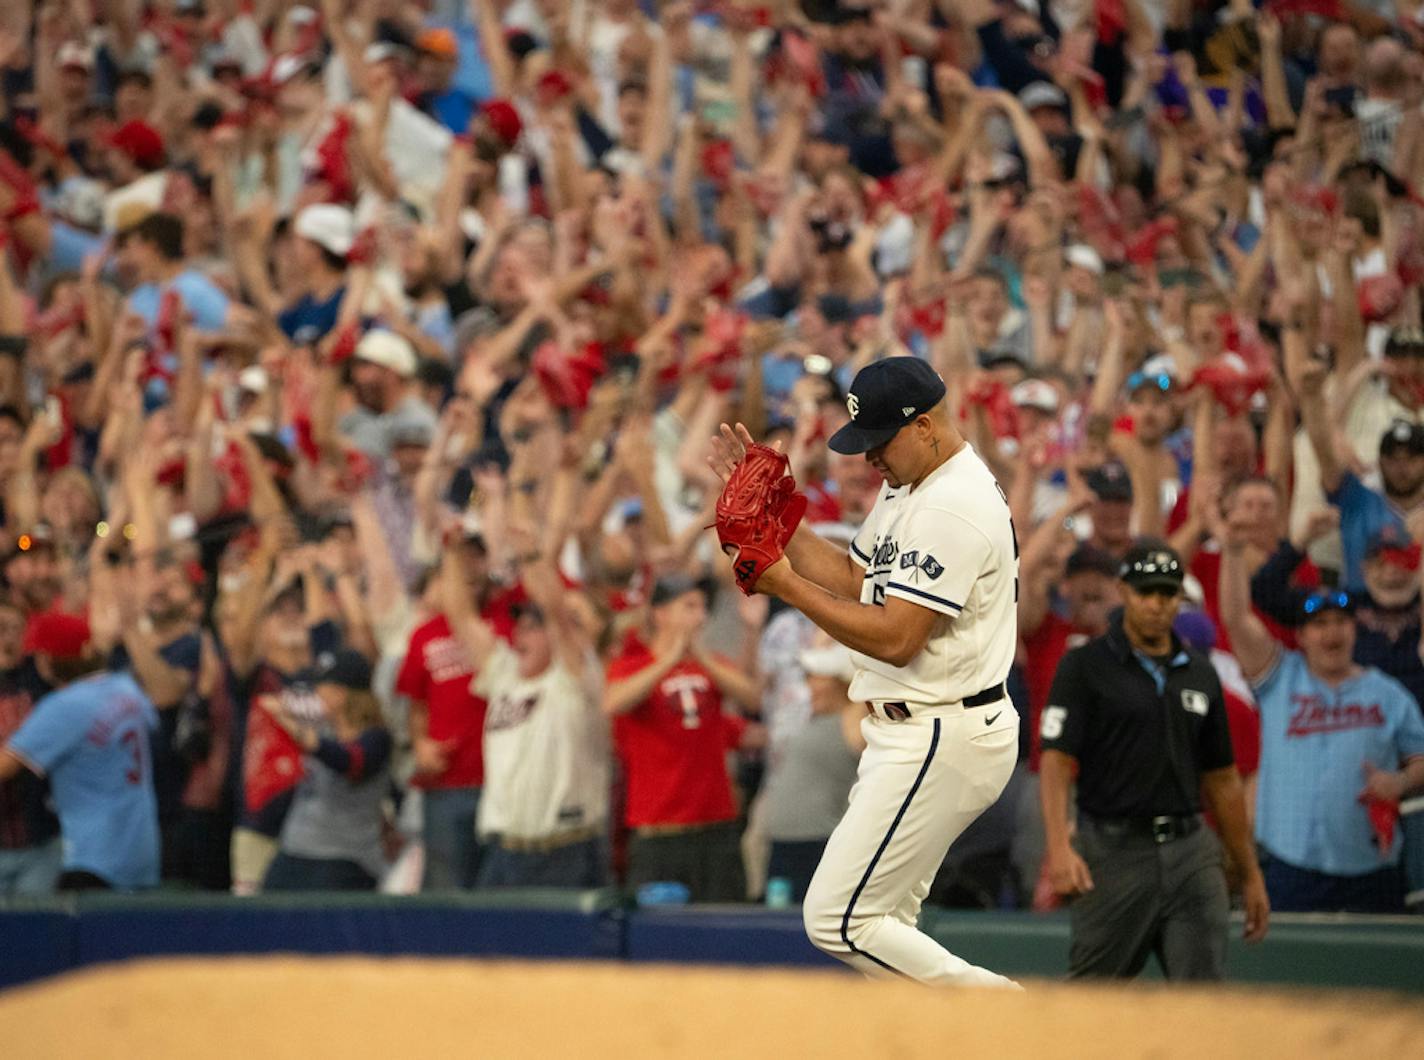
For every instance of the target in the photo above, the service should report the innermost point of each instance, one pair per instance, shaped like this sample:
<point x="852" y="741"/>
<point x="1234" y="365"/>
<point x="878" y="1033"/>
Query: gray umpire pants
<point x="1167" y="899"/>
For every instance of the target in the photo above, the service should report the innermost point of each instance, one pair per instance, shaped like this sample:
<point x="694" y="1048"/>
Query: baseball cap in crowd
<point x="1004" y="357"/>
<point x="1085" y="257"/>
<point x="1196" y="629"/>
<point x="56" y="634"/>
<point x="287" y="67"/>
<point x="835" y="308"/>
<point x="343" y="667"/>
<point x="1087" y="558"/>
<point x="438" y="42"/>
<point x="387" y="349"/>
<point x="141" y="142"/>
<point x="1323" y="601"/>
<point x="1404" y="342"/>
<point x="670" y="586"/>
<point x="1158" y="372"/>
<point x="1035" y="394"/>
<point x="884" y="396"/>
<point x="253" y="379"/>
<point x="1143" y="380"/>
<point x="74" y="55"/>
<point x="520" y="41"/>
<point x="382" y="50"/>
<point x="1042" y="94"/>
<point x="1110" y="482"/>
<point x="1152" y="565"/>
<point x="331" y="227"/>
<point x="223" y="58"/>
<point x="503" y="120"/>
<point x="411" y="430"/>
<point x="470" y="528"/>
<point x="1403" y="435"/>
<point x="1392" y="544"/>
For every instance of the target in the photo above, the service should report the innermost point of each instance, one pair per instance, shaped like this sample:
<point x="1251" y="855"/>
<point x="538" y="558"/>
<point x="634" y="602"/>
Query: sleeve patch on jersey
<point x="912" y="560"/>
<point x="912" y="591"/>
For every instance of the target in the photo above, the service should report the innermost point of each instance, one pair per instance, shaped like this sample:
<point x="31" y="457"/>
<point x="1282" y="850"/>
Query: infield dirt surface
<point x="261" y="1008"/>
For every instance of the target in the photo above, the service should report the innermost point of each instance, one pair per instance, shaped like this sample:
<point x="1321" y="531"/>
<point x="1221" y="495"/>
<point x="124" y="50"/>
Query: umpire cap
<point x="884" y="397"/>
<point x="1152" y="565"/>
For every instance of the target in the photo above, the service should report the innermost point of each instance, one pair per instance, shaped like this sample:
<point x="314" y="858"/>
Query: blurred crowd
<point x="358" y="364"/>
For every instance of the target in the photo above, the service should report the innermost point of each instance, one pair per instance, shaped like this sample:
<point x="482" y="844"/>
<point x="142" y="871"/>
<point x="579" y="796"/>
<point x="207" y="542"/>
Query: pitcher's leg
<point x="911" y="801"/>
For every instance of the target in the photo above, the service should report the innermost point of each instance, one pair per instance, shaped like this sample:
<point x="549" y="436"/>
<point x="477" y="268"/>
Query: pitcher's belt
<point x="901" y="711"/>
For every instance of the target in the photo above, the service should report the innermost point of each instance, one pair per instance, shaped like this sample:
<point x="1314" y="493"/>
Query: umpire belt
<point x="1163" y="828"/>
<point x="904" y="711"/>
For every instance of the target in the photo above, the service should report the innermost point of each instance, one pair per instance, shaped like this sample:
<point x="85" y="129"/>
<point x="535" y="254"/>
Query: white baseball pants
<point x="921" y="782"/>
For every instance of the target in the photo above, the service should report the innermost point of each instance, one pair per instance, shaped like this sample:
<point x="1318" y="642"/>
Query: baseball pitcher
<point x="925" y="599"/>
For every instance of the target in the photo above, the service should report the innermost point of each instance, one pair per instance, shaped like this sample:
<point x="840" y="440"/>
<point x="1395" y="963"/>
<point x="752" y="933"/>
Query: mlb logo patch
<point x="1195" y="702"/>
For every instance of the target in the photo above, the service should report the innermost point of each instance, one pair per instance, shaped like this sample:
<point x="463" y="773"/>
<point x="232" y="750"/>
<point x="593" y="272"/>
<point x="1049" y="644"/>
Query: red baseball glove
<point x="758" y="512"/>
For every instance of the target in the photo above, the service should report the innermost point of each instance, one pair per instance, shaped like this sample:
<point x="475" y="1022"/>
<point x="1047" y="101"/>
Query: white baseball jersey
<point x="546" y="749"/>
<point x="947" y="545"/>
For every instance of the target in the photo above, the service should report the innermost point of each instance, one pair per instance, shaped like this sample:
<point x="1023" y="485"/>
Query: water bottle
<point x="778" y="893"/>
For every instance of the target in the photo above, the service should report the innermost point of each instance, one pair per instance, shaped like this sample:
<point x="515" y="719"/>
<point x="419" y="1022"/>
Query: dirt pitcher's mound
<point x="258" y="1009"/>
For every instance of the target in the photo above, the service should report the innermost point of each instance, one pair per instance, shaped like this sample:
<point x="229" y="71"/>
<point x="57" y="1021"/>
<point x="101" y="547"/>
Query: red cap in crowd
<point x="56" y="634"/>
<point x="503" y="120"/>
<point x="554" y="85"/>
<point x="440" y="43"/>
<point x="141" y="142"/>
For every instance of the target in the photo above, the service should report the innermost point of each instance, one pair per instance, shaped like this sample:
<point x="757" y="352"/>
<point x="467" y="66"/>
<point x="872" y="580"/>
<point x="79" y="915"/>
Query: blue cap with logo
<point x="885" y="396"/>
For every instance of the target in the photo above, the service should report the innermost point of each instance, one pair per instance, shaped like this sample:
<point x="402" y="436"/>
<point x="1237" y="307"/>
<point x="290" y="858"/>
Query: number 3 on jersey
<point x="1013" y="532"/>
<point x="133" y="743"/>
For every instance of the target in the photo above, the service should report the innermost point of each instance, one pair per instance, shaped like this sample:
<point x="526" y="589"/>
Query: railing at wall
<point x="47" y="937"/>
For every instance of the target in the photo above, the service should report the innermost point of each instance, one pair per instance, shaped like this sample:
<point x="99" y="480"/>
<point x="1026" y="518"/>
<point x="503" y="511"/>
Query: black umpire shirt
<point x="1143" y="730"/>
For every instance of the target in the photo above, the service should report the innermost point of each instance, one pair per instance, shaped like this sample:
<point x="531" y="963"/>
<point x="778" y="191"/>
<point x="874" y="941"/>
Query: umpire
<point x="1140" y="721"/>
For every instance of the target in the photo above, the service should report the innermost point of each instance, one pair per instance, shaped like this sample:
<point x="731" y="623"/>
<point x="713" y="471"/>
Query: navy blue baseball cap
<point x="343" y="667"/>
<point x="885" y="396"/>
<point x="1322" y="602"/>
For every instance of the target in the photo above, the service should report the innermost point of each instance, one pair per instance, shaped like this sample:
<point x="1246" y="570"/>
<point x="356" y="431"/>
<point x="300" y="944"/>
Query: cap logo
<point x="906" y="410"/>
<point x="853" y="404"/>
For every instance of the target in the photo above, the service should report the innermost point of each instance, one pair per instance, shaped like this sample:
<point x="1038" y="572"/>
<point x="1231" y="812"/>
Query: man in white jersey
<point x="925" y="599"/>
<point x="543" y="816"/>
